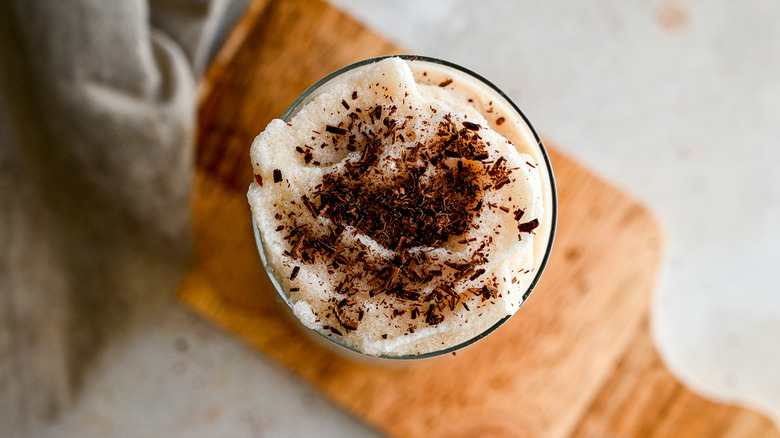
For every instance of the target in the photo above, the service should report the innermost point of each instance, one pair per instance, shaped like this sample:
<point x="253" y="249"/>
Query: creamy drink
<point x="403" y="207"/>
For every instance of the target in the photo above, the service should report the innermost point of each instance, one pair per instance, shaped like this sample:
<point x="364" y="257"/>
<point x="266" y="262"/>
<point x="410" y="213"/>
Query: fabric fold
<point x="96" y="174"/>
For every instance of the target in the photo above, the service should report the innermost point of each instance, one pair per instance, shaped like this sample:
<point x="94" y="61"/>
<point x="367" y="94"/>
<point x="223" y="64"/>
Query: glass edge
<point x="290" y="111"/>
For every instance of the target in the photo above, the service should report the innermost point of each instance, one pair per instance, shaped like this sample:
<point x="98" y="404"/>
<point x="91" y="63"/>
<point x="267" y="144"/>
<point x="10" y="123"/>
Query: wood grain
<point x="576" y="360"/>
<point x="642" y="399"/>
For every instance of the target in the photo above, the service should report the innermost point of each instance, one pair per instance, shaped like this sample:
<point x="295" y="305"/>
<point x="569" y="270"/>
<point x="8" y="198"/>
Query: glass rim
<point x="291" y="111"/>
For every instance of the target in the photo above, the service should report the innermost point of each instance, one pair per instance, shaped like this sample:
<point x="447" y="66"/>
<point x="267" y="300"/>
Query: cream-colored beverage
<point x="403" y="208"/>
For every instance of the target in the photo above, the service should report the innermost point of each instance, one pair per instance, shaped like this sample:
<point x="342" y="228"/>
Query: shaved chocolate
<point x="335" y="130"/>
<point x="497" y="166"/>
<point x="449" y="291"/>
<point x="259" y="180"/>
<point x="445" y="82"/>
<point x="349" y="325"/>
<point x="501" y="183"/>
<point x="309" y="206"/>
<point x="344" y="104"/>
<point x="345" y="322"/>
<point x="422" y="207"/>
<point x="471" y="126"/>
<point x="408" y="295"/>
<point x="400" y="243"/>
<point x="432" y="317"/>
<point x="529" y="226"/>
<point x="500" y="121"/>
<point x="477" y="274"/>
<point x="465" y="273"/>
<point x="295" y="272"/>
<point x="375" y="113"/>
<point x="277" y="175"/>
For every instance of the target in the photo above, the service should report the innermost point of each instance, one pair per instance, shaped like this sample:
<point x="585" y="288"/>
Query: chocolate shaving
<point x="343" y="320"/>
<point x="529" y="226"/>
<point x="295" y="272"/>
<point x="344" y="103"/>
<point x="391" y="278"/>
<point x="449" y="291"/>
<point x="501" y="183"/>
<point x="463" y="274"/>
<point x="431" y="317"/>
<point x="408" y="295"/>
<point x="445" y="82"/>
<point x="349" y="325"/>
<point x="500" y="121"/>
<point x="458" y="266"/>
<point x="333" y="330"/>
<point x="471" y="126"/>
<point x="497" y="165"/>
<point x="309" y="206"/>
<point x="476" y="275"/>
<point x="400" y="244"/>
<point x="277" y="175"/>
<point x="297" y="247"/>
<point x="488" y="292"/>
<point x="375" y="113"/>
<point x="259" y="180"/>
<point x="335" y="130"/>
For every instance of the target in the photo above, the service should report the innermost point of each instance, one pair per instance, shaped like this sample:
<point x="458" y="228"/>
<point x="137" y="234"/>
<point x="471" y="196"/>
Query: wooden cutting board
<point x="577" y="359"/>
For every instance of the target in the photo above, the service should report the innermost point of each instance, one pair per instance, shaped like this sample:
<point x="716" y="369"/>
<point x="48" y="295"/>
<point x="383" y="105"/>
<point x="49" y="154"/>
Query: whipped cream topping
<point x="395" y="213"/>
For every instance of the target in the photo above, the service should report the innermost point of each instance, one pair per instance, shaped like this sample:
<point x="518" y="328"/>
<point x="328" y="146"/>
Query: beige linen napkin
<point x="97" y="111"/>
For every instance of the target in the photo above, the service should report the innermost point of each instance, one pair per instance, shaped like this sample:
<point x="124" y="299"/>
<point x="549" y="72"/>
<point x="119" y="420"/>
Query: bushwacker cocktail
<point x="403" y="207"/>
